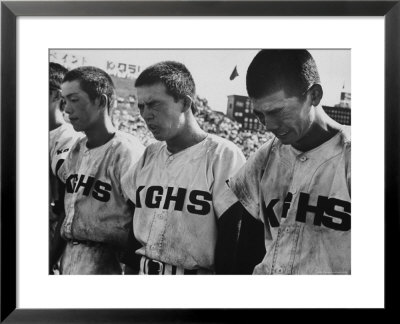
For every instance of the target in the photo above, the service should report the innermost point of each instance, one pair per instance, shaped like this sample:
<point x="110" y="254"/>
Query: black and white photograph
<point x="200" y="161"/>
<point x="185" y="161"/>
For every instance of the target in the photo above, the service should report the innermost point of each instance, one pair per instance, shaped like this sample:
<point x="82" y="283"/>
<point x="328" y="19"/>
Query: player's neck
<point x="322" y="130"/>
<point x="100" y="134"/>
<point x="191" y="135"/>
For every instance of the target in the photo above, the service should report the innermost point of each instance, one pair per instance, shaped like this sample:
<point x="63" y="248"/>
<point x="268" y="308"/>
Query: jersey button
<point x="303" y="158"/>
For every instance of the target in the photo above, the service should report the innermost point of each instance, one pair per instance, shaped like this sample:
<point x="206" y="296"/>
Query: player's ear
<point x="187" y="103"/>
<point x="103" y="101"/>
<point x="55" y="95"/>
<point x="316" y="94"/>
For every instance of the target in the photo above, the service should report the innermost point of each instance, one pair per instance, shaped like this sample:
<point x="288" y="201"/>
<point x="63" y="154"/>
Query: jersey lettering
<point x="138" y="204"/>
<point x="101" y="190"/>
<point x="330" y="210"/>
<point x="175" y="198"/>
<point x="205" y="206"/>
<point x="153" y="201"/>
<point x="58" y="165"/>
<point x="179" y="198"/>
<point x="270" y="214"/>
<point x="60" y="151"/>
<point x="325" y="211"/>
<point x="71" y="182"/>
<point x="86" y="185"/>
<point x="286" y="204"/>
<point x="303" y="207"/>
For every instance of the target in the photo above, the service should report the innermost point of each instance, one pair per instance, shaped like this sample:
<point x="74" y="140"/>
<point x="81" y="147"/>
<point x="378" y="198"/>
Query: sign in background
<point x="118" y="69"/>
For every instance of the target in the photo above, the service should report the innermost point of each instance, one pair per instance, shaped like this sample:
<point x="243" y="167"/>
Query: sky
<point x="211" y="68"/>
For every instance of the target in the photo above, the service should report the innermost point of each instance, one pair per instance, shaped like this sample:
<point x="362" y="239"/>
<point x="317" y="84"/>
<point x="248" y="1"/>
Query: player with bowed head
<point x="98" y="215"/>
<point x="298" y="183"/>
<point x="179" y="185"/>
<point x="61" y="137"/>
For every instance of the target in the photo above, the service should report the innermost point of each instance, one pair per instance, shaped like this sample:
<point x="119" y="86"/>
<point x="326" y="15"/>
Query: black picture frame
<point x="10" y="10"/>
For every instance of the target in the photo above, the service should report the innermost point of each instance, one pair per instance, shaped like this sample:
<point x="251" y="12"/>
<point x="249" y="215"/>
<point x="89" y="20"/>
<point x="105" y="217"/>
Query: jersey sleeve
<point x="60" y="143"/>
<point x="245" y="184"/>
<point x="128" y="178"/>
<point x="227" y="162"/>
<point x="61" y="173"/>
<point x="129" y="156"/>
<point x="348" y="167"/>
<point x="63" y="165"/>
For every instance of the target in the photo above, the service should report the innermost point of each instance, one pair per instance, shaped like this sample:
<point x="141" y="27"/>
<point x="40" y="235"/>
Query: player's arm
<point x="57" y="244"/>
<point x="128" y="255"/>
<point x="240" y="243"/>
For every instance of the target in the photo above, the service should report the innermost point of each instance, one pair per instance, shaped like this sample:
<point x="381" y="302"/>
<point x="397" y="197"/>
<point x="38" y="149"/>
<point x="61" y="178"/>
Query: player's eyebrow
<point x="149" y="103"/>
<point x="274" y="110"/>
<point x="68" y="95"/>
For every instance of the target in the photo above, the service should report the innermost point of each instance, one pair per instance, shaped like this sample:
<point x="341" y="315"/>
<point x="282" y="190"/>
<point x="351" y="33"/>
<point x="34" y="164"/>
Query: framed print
<point x="369" y="29"/>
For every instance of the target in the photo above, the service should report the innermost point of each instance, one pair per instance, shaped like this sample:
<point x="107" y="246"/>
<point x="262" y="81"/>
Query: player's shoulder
<point x="263" y="152"/>
<point x="154" y="149"/>
<point x="345" y="143"/>
<point x="216" y="143"/>
<point x="79" y="143"/>
<point x="68" y="130"/>
<point x="126" y="142"/>
<point x="64" y="134"/>
<point x="345" y="134"/>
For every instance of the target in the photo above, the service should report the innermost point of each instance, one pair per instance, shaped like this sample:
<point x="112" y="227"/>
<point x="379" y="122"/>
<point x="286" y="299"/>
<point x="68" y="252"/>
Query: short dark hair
<point x="176" y="78"/>
<point x="271" y="70"/>
<point x="94" y="81"/>
<point x="56" y="75"/>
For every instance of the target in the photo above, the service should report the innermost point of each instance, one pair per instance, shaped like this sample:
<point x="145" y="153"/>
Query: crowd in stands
<point x="128" y="119"/>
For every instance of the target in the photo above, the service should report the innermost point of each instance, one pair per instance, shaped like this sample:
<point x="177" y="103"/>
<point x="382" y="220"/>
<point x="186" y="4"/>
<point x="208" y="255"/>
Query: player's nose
<point x="146" y="114"/>
<point x="68" y="108"/>
<point x="271" y="125"/>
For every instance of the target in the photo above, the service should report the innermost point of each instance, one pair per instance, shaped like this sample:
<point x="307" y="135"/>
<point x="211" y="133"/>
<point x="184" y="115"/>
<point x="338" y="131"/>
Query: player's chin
<point x="77" y="128"/>
<point x="158" y="135"/>
<point x="285" y="138"/>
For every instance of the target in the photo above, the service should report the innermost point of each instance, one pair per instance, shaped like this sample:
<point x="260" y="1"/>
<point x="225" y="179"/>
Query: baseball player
<point x="61" y="137"/>
<point x="98" y="215"/>
<point x="298" y="183"/>
<point x="179" y="185"/>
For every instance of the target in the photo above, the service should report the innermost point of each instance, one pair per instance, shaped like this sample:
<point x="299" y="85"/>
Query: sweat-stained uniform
<point x="98" y="214"/>
<point x="303" y="199"/>
<point x="60" y="141"/>
<point x="178" y="199"/>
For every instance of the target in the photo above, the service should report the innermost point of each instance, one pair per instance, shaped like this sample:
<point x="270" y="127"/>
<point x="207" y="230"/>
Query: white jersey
<point x="60" y="142"/>
<point x="178" y="198"/>
<point x="95" y="206"/>
<point x="303" y="199"/>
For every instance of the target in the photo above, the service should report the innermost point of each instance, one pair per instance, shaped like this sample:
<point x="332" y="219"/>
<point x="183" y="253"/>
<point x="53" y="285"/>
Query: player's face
<point x="82" y="112"/>
<point x="162" y="114"/>
<point x="288" y="118"/>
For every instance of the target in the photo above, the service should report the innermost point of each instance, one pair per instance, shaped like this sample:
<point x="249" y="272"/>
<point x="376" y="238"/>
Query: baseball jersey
<point x="96" y="208"/>
<point x="303" y="199"/>
<point x="60" y="142"/>
<point x="178" y="198"/>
